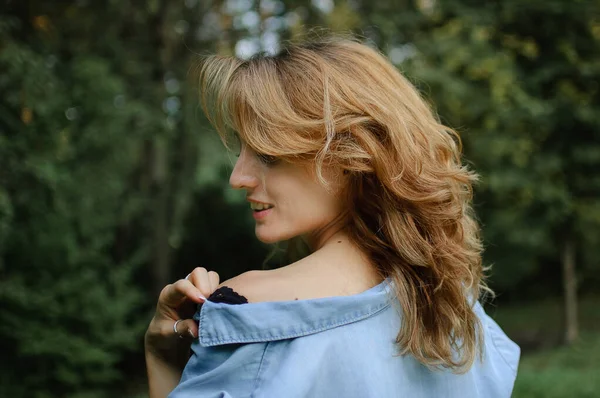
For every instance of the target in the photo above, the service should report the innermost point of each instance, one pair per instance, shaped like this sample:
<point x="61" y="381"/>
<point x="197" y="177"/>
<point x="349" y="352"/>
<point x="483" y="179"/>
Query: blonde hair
<point x="340" y="103"/>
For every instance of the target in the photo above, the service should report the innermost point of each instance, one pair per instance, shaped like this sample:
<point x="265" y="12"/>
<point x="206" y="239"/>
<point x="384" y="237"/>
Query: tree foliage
<point x="68" y="303"/>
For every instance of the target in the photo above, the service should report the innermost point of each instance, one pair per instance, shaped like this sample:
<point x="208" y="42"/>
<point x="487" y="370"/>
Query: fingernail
<point x="191" y="333"/>
<point x="201" y="297"/>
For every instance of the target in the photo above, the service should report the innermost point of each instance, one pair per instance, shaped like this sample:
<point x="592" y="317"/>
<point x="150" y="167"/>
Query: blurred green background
<point x="113" y="185"/>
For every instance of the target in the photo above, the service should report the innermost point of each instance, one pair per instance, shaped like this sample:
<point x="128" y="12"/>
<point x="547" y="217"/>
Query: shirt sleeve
<point x="228" y="370"/>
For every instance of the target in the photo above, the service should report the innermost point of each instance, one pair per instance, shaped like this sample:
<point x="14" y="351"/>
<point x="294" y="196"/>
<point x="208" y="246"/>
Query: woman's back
<point x="340" y="346"/>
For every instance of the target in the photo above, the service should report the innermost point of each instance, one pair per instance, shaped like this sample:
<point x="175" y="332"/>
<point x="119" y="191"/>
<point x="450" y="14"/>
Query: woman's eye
<point x="267" y="159"/>
<point x="236" y="145"/>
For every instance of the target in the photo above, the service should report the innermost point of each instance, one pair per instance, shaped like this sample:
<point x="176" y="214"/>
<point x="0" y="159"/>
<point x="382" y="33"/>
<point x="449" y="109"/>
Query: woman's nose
<point x="243" y="175"/>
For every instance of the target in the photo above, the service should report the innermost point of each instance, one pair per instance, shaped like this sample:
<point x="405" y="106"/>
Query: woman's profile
<point x="339" y="152"/>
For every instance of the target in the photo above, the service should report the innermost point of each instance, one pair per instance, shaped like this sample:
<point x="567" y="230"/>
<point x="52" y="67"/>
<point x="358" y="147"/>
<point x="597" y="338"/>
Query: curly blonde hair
<point x="338" y="102"/>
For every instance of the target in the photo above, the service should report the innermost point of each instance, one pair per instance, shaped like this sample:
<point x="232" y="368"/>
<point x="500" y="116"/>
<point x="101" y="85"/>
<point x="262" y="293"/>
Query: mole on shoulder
<point x="339" y="241"/>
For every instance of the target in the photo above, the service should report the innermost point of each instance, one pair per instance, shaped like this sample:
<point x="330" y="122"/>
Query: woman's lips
<point x="259" y="215"/>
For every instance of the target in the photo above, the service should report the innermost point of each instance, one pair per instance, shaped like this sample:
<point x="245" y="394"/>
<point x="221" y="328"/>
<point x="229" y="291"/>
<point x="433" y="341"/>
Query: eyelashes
<point x="267" y="159"/>
<point x="238" y="145"/>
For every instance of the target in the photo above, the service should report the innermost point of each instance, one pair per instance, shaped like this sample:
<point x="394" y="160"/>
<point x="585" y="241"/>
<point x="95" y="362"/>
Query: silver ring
<point x="175" y="328"/>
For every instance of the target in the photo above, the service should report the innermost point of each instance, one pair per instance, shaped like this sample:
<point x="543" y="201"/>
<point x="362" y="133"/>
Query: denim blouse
<point x="341" y="346"/>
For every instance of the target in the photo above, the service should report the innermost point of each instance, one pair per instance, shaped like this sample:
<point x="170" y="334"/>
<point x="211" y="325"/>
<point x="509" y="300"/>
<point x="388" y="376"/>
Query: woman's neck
<point x="338" y="263"/>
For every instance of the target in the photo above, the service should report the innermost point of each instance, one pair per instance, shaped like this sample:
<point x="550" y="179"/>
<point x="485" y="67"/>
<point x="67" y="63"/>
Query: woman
<point x="340" y="152"/>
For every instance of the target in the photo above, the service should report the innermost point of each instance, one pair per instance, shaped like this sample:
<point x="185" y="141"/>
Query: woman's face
<point x="296" y="203"/>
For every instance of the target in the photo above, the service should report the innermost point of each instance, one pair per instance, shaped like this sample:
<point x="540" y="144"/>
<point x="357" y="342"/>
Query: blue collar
<point x="221" y="323"/>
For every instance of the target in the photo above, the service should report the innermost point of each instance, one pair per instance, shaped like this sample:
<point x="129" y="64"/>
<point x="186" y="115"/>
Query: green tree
<point x="68" y="306"/>
<point x="99" y="172"/>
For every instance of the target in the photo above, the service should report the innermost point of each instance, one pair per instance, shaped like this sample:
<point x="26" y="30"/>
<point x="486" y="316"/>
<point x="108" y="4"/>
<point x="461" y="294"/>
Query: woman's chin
<point x="269" y="235"/>
<point x="266" y="238"/>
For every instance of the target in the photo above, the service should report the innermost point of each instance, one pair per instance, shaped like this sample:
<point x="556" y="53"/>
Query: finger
<point x="174" y="294"/>
<point x="200" y="278"/>
<point x="186" y="329"/>
<point x="187" y="309"/>
<point x="213" y="277"/>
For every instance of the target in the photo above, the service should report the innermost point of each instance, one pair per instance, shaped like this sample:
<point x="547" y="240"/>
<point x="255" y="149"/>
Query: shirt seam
<point x="257" y="380"/>
<point x="213" y="341"/>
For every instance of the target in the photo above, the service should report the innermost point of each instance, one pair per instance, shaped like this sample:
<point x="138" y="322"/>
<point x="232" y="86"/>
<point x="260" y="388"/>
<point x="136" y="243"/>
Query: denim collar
<point x="221" y="323"/>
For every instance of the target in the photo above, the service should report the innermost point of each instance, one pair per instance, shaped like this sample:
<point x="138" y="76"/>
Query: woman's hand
<point x="178" y="301"/>
<point x="167" y="352"/>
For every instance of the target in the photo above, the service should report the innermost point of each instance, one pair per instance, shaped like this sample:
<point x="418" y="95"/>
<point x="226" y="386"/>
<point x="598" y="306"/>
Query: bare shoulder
<point x="258" y="286"/>
<point x="309" y="278"/>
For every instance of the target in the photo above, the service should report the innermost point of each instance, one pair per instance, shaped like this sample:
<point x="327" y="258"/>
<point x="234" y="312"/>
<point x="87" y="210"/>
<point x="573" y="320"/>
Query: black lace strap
<point x="227" y="295"/>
